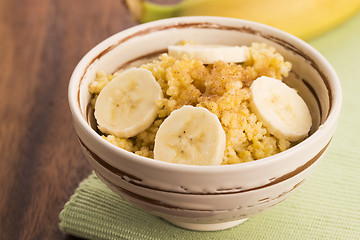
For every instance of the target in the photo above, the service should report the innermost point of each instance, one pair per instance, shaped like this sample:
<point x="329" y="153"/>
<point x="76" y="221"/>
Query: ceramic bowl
<point x="206" y="197"/>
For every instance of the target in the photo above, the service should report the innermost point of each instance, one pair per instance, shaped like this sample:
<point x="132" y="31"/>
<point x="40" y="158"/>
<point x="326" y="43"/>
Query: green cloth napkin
<point x="327" y="206"/>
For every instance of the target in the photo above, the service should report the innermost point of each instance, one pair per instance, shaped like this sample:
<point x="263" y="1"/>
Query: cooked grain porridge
<point x="222" y="88"/>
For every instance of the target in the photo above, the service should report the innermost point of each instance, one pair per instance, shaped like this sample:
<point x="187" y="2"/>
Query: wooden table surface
<point x="41" y="164"/>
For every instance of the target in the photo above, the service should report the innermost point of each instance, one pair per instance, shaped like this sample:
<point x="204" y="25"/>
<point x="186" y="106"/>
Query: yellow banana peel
<point x="304" y="18"/>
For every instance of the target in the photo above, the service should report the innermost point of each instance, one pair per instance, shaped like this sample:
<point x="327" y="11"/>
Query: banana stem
<point x="145" y="11"/>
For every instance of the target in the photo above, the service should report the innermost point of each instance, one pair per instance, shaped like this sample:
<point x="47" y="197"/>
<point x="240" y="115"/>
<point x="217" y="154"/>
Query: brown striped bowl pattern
<point x="206" y="197"/>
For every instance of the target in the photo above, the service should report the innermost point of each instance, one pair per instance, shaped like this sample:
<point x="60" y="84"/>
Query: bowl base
<point x="207" y="226"/>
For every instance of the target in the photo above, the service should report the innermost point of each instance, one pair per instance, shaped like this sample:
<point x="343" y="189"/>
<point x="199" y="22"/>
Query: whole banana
<point x="305" y="18"/>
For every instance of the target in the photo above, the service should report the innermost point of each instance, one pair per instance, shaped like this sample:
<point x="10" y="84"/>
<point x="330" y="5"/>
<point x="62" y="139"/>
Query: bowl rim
<point x="105" y="46"/>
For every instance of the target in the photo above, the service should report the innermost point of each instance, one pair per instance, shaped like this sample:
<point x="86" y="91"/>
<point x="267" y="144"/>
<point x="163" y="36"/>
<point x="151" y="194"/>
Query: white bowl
<point x="206" y="197"/>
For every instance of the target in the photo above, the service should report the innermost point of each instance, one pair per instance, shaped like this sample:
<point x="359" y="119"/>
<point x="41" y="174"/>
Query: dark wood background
<point x="41" y="164"/>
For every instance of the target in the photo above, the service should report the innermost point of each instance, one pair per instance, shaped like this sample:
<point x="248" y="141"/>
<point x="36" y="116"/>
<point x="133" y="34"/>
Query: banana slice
<point x="209" y="54"/>
<point x="127" y="105"/>
<point x="282" y="111"/>
<point x="190" y="135"/>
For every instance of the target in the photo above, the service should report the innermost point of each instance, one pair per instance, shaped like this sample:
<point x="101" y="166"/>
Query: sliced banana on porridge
<point x="210" y="54"/>
<point x="190" y="135"/>
<point x="280" y="108"/>
<point x="127" y="105"/>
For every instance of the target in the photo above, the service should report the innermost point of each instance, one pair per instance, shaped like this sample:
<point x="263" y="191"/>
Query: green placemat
<point x="327" y="206"/>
